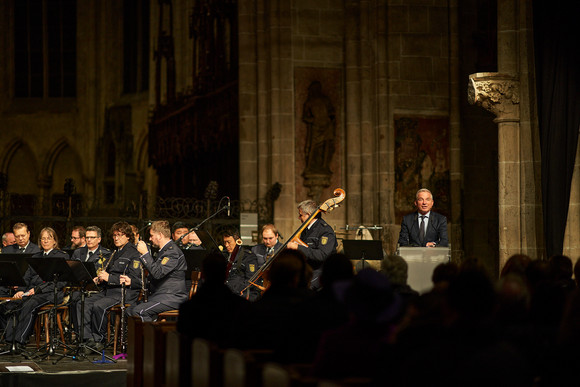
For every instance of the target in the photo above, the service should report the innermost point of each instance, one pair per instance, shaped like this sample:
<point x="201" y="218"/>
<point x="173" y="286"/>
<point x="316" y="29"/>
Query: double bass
<point x="325" y="207"/>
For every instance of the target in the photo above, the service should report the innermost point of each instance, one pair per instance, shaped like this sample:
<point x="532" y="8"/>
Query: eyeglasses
<point x="74" y="238"/>
<point x="47" y="239"/>
<point x="91" y="237"/>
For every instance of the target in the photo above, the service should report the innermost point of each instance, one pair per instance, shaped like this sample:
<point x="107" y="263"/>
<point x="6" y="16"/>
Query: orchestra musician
<point x="241" y="266"/>
<point x="35" y="294"/>
<point x="91" y="252"/>
<point x="23" y="244"/>
<point x="166" y="274"/>
<point x="123" y="263"/>
<point x="269" y="244"/>
<point x="319" y="237"/>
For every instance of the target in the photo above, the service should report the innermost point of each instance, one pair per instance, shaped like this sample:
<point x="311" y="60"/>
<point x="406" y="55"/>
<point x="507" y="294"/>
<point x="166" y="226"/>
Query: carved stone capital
<point x="497" y="93"/>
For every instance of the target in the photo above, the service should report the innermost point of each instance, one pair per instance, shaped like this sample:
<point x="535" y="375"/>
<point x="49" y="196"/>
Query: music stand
<point x="10" y="275"/>
<point x="364" y="250"/>
<point x="194" y="259"/>
<point x="207" y="241"/>
<point x="53" y="270"/>
<point x="84" y="273"/>
<point x="20" y="259"/>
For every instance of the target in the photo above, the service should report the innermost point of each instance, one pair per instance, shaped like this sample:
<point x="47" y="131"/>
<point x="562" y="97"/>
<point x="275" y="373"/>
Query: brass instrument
<point x="102" y="269"/>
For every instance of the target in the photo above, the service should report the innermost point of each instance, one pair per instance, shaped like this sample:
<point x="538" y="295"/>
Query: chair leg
<point x="47" y="327"/>
<point x="37" y="330"/>
<point x="59" y="322"/>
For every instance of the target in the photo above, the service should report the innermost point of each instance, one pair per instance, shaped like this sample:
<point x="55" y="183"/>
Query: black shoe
<point x="99" y="346"/>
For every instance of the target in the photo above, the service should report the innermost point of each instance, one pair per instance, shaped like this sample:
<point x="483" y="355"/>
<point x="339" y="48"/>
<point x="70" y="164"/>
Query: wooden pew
<point x="135" y="352"/>
<point x="154" y="352"/>
<point x="177" y="360"/>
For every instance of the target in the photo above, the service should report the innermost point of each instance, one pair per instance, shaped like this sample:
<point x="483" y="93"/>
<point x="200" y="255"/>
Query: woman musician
<point x="36" y="293"/>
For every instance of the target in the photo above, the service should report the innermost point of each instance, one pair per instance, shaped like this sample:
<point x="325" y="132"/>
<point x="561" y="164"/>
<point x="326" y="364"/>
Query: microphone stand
<point x="196" y="228"/>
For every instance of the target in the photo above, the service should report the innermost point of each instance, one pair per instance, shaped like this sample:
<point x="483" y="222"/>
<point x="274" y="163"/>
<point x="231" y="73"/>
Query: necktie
<point x="422" y="230"/>
<point x="21" y="249"/>
<point x="270" y="251"/>
<point x="91" y="253"/>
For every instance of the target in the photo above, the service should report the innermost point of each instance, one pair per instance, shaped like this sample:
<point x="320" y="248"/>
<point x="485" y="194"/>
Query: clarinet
<point x="122" y="335"/>
<point x="144" y="289"/>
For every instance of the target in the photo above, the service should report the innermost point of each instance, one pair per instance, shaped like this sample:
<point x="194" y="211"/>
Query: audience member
<point x="272" y="321"/>
<point x="395" y="268"/>
<point x="323" y="311"/>
<point x="209" y="312"/>
<point x="353" y="349"/>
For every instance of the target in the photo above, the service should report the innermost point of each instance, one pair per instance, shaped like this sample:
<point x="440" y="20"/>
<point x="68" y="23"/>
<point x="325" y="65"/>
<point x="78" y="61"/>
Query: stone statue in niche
<point x="319" y="116"/>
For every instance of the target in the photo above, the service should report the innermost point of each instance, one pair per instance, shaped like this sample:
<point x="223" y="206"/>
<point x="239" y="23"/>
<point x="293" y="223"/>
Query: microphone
<point x="229" y="206"/>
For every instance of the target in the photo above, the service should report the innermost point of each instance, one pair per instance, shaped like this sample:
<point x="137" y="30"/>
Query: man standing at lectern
<point x="424" y="228"/>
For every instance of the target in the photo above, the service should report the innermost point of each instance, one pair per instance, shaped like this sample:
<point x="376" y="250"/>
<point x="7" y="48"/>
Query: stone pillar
<point x="499" y="94"/>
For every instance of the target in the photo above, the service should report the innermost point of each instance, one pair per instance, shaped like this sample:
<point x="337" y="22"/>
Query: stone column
<point x="499" y="94"/>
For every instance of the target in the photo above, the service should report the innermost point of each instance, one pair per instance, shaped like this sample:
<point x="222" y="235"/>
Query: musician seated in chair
<point x="424" y="228"/>
<point x="123" y="263"/>
<point x="269" y="245"/>
<point x="166" y="274"/>
<point x="35" y="294"/>
<point x="319" y="237"/>
<point x="242" y="265"/>
<point x="91" y="252"/>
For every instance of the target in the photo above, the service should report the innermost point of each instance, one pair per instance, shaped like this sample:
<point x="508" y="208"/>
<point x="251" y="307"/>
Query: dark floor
<point x="34" y="368"/>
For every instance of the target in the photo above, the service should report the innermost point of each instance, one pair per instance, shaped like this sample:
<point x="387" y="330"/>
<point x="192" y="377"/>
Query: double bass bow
<point x="325" y="207"/>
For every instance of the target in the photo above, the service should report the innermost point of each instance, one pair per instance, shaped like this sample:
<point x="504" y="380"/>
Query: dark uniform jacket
<point x="436" y="230"/>
<point x="243" y="269"/>
<point x="321" y="242"/>
<point x="99" y="257"/>
<point x="14" y="249"/>
<point x="124" y="261"/>
<point x="260" y="251"/>
<point x="167" y="275"/>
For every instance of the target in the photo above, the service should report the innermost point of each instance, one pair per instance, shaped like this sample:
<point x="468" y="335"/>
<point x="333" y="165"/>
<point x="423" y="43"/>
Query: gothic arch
<point x="17" y="150"/>
<point x="10" y="150"/>
<point x="50" y="167"/>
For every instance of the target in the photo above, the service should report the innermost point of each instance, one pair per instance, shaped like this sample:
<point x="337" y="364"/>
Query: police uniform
<point x="124" y="261"/>
<point x="166" y="282"/>
<point x="98" y="258"/>
<point x="321" y="242"/>
<point x="30" y="248"/>
<point x="242" y="270"/>
<point x="261" y="252"/>
<point x="29" y="305"/>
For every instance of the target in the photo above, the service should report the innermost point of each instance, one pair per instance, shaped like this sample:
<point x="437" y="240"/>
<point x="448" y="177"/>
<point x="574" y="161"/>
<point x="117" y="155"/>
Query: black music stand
<point x="194" y="259"/>
<point x="363" y="249"/>
<point x="84" y="272"/>
<point x="53" y="270"/>
<point x="10" y="275"/>
<point x="207" y="241"/>
<point x="20" y="259"/>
